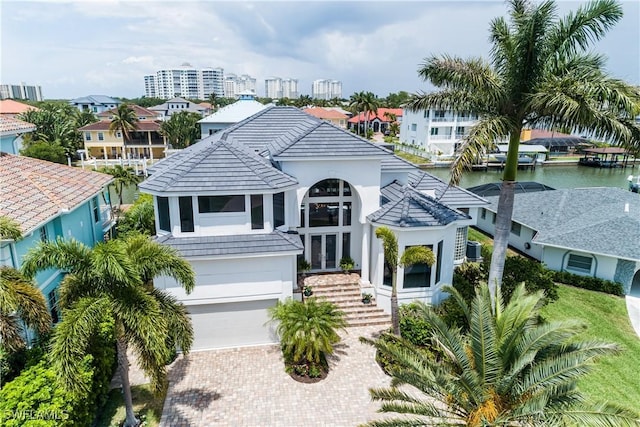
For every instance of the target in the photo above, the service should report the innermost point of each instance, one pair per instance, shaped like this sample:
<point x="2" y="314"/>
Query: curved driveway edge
<point x="248" y="387"/>
<point x="633" y="308"/>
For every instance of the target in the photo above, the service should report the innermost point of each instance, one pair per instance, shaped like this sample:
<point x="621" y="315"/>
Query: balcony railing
<point x="439" y="137"/>
<point x="442" y="119"/>
<point x="106" y="216"/>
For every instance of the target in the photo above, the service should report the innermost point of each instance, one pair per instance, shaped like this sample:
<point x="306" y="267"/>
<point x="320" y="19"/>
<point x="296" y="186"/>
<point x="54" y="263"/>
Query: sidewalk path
<point x="633" y="308"/>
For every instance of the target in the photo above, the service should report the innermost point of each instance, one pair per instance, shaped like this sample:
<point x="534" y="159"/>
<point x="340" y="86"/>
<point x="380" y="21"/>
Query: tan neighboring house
<point x="145" y="142"/>
<point x="329" y="115"/>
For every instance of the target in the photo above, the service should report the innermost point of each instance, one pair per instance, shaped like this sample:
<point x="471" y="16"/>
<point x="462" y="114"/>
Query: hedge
<point x="35" y="398"/>
<point x="588" y="282"/>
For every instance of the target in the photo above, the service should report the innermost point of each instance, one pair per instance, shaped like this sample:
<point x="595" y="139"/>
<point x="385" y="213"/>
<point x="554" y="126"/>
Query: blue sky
<point x="107" y="46"/>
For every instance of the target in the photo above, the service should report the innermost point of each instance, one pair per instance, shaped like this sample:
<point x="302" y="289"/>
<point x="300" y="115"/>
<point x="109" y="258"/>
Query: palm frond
<point x="588" y="24"/>
<point x="71" y="338"/>
<point x="9" y="229"/>
<point x="154" y="259"/>
<point x="417" y="255"/>
<point x="179" y="328"/>
<point x="481" y="140"/>
<point x="66" y="255"/>
<point x="390" y="245"/>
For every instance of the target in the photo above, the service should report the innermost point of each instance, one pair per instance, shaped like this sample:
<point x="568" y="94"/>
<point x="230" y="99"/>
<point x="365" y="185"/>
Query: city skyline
<point x="107" y="47"/>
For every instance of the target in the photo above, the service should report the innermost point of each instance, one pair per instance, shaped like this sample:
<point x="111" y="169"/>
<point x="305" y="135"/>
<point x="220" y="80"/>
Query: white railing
<point x="442" y="119"/>
<point x="440" y="137"/>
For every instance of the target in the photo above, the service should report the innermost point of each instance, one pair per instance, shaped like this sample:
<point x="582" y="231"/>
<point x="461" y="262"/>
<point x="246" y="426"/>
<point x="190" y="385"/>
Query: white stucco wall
<point x="225" y="280"/>
<point x="413" y="237"/>
<point x="603" y="267"/>
<point x="518" y="242"/>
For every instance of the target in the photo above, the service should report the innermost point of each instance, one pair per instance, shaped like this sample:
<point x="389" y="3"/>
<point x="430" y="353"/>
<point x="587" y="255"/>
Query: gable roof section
<point x="12" y="126"/>
<point x="218" y="167"/>
<point x="11" y="107"/>
<point x="236" y="112"/>
<point x="415" y="209"/>
<point x="585" y="219"/>
<point x="450" y="195"/>
<point x="395" y="163"/>
<point x="33" y="191"/>
<point x="241" y="244"/>
<point x="327" y="140"/>
<point x="138" y="110"/>
<point x="95" y="99"/>
<point x="325" y="113"/>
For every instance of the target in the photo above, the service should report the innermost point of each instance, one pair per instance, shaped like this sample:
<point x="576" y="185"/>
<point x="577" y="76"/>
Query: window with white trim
<point x="516" y="228"/>
<point x="579" y="263"/>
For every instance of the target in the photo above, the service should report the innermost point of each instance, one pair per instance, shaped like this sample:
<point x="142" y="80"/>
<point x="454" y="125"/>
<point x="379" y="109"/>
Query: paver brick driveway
<point x="248" y="387"/>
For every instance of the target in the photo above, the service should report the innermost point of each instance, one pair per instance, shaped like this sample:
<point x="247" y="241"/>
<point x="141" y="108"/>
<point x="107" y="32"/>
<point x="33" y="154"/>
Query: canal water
<point x="571" y="176"/>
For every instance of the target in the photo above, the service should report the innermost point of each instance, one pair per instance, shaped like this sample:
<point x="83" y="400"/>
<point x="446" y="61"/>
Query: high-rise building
<point x="276" y="87"/>
<point x="234" y="84"/>
<point x="326" y="89"/>
<point x="186" y="82"/>
<point x="21" y="91"/>
<point x="290" y="88"/>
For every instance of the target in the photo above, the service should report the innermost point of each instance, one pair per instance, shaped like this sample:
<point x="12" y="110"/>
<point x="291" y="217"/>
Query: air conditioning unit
<point x="474" y="253"/>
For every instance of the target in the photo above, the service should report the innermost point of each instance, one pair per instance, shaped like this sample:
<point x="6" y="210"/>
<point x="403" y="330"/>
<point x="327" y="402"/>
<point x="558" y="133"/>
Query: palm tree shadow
<point x="339" y="349"/>
<point x="178" y="369"/>
<point x="195" y="398"/>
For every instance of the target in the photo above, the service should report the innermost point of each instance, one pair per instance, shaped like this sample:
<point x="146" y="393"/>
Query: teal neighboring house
<point x="11" y="131"/>
<point x="48" y="201"/>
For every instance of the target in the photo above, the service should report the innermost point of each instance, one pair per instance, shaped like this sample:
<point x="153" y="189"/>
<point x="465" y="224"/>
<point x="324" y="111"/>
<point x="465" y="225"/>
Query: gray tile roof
<point x="415" y="209"/>
<point x="217" y="167"/>
<point x="242" y="244"/>
<point x="395" y="163"/>
<point x="450" y="195"/>
<point x="586" y="219"/>
<point x="327" y="140"/>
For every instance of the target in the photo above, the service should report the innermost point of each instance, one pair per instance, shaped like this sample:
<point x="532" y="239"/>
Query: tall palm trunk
<point x="395" y="318"/>
<point x="504" y="214"/>
<point x="123" y="367"/>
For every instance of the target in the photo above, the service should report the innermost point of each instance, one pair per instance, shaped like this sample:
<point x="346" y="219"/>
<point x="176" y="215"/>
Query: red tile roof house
<point x="331" y="116"/>
<point x="50" y="201"/>
<point x="11" y="108"/>
<point x="378" y="122"/>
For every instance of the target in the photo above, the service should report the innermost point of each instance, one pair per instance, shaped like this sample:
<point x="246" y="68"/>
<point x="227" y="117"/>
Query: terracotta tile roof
<point x="138" y="110"/>
<point x="32" y="190"/>
<point x="380" y="115"/>
<point x="104" y="125"/>
<point x="9" y="106"/>
<point x="325" y="114"/>
<point x="10" y="125"/>
<point x="540" y="133"/>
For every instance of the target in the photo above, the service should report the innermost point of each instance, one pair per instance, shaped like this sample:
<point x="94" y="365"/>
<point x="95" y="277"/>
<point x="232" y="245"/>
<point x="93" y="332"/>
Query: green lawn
<point x="412" y="158"/>
<point x="614" y="378"/>
<point x="144" y="403"/>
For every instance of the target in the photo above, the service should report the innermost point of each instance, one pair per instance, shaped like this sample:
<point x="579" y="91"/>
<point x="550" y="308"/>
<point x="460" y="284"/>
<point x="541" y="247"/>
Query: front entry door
<point x="324" y="250"/>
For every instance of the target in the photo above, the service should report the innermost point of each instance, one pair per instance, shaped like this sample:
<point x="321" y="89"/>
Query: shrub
<point x="534" y="275"/>
<point x="139" y="218"/>
<point x="386" y="361"/>
<point x="413" y="326"/>
<point x="588" y="282"/>
<point x="35" y="397"/>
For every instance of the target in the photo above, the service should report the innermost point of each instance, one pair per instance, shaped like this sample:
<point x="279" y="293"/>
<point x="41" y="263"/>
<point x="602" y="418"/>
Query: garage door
<point x="231" y="324"/>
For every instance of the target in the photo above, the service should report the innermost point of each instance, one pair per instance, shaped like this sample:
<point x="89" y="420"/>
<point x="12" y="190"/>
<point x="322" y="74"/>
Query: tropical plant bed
<point x="308" y="375"/>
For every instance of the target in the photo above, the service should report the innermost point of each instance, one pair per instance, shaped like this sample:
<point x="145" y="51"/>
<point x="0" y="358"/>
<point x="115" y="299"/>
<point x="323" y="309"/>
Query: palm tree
<point x="370" y="106"/>
<point x="21" y="303"/>
<point x="182" y="129"/>
<point x="308" y="330"/>
<point x="540" y="75"/>
<point x="411" y="256"/>
<point x="113" y="280"/>
<point x="508" y="370"/>
<point x="356" y="104"/>
<point x="123" y="177"/>
<point x="124" y="120"/>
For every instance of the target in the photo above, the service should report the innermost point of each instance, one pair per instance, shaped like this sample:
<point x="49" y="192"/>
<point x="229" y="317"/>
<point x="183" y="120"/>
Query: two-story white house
<point x="244" y="203"/>
<point x="438" y="131"/>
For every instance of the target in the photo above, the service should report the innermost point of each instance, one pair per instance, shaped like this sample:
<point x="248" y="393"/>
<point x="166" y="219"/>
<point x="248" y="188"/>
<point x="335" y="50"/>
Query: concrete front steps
<point x="344" y="291"/>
